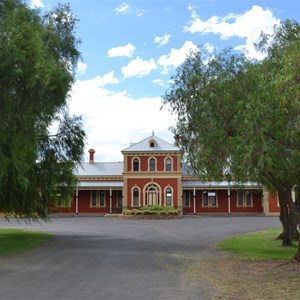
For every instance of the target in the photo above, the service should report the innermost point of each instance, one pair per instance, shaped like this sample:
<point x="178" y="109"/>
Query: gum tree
<point x="38" y="57"/>
<point x="241" y="119"/>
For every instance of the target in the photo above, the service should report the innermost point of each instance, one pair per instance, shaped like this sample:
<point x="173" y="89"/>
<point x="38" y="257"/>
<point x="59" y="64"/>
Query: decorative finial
<point x="152" y="132"/>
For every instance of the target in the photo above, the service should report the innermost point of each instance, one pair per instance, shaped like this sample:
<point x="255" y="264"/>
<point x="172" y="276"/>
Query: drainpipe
<point x="76" y="202"/>
<point x="228" y="194"/>
<point x="110" y="200"/>
<point x="194" y="198"/>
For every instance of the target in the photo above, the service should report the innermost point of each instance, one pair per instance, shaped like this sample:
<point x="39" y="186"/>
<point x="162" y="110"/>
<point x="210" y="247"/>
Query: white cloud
<point x="247" y="26"/>
<point x="162" y="40"/>
<point x="37" y="4"/>
<point x="140" y="12"/>
<point x="124" y="8"/>
<point x="113" y="120"/>
<point x="158" y="82"/>
<point x="209" y="47"/>
<point x="126" y="50"/>
<point x="100" y="81"/>
<point x="139" y="68"/>
<point x="177" y="56"/>
<point x="81" y="68"/>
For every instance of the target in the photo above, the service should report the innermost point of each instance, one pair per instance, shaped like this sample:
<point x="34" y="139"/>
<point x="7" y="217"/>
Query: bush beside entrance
<point x="154" y="210"/>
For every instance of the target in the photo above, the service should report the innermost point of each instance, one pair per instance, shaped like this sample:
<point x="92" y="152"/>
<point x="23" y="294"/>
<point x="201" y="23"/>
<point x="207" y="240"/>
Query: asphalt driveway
<point x="110" y="258"/>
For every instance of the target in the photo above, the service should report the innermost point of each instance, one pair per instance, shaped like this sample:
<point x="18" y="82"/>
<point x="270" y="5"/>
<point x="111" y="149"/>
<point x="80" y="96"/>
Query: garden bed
<point x="152" y="213"/>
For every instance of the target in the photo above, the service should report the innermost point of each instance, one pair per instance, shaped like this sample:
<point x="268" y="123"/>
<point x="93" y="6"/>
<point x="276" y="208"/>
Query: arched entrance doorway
<point x="152" y="195"/>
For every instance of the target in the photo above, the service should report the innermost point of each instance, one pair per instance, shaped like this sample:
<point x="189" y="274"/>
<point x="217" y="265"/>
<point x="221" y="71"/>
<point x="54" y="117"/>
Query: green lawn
<point x="258" y="246"/>
<point x="15" y="240"/>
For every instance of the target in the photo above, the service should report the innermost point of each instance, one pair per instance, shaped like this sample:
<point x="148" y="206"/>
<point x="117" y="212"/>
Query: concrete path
<point x="109" y="258"/>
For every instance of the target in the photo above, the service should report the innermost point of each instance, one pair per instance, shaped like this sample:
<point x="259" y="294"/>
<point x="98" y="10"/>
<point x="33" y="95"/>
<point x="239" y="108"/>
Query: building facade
<point x="152" y="174"/>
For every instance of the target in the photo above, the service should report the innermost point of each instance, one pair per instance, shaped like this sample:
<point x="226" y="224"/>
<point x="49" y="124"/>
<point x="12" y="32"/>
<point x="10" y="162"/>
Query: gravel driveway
<point x="110" y="258"/>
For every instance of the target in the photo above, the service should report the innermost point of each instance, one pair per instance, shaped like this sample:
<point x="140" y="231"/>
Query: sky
<point x="131" y="49"/>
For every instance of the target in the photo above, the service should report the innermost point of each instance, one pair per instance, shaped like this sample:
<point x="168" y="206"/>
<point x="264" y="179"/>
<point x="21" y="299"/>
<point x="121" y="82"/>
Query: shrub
<point x="162" y="213"/>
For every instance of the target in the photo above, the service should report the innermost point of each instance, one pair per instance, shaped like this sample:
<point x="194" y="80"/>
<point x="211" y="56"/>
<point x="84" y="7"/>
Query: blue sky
<point x="130" y="50"/>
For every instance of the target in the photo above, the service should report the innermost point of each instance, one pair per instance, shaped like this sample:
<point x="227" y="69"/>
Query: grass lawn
<point x="15" y="240"/>
<point x="250" y="266"/>
<point x="258" y="246"/>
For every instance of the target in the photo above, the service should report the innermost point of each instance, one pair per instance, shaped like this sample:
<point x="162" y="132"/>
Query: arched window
<point x="152" y="195"/>
<point x="136" y="197"/>
<point x="152" y="164"/>
<point x="168" y="196"/>
<point x="168" y="164"/>
<point x="136" y="164"/>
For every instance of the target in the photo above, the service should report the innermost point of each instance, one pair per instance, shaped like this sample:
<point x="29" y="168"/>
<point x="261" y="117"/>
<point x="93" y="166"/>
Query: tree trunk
<point x="289" y="216"/>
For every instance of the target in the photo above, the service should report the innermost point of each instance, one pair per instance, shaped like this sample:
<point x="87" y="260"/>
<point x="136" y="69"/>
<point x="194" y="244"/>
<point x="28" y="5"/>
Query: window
<point x="152" y="164"/>
<point x="63" y="203"/>
<point x="97" y="199"/>
<point x="244" y="198"/>
<point x="94" y="199"/>
<point x="135" y="197"/>
<point x="186" y="198"/>
<point x="209" y="199"/>
<point x="136" y="164"/>
<point x="102" y="198"/>
<point x="169" y="196"/>
<point x="119" y="199"/>
<point x="152" y="143"/>
<point x="152" y="195"/>
<point x="168" y="164"/>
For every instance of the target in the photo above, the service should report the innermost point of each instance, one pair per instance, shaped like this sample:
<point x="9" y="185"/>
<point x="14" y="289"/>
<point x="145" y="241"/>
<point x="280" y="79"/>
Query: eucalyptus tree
<point x="38" y="58"/>
<point x="240" y="119"/>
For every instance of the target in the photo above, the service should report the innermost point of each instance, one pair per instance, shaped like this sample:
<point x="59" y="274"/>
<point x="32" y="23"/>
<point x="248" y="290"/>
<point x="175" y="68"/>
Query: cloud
<point x="177" y="56"/>
<point x="126" y="50"/>
<point x="158" y="82"/>
<point x="162" y="40"/>
<point x="101" y="81"/>
<point x="246" y="26"/>
<point x="114" y="119"/>
<point x="37" y="4"/>
<point x="123" y="9"/>
<point x="139" y="68"/>
<point x="81" y="68"/>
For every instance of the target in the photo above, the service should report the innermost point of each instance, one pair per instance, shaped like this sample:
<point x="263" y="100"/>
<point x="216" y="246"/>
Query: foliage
<point x="15" y="240"/>
<point x="240" y="119"/>
<point x="153" y="210"/>
<point x="257" y="246"/>
<point x="38" y="57"/>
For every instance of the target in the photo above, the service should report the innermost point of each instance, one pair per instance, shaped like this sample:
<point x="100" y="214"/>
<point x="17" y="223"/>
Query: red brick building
<point x="152" y="174"/>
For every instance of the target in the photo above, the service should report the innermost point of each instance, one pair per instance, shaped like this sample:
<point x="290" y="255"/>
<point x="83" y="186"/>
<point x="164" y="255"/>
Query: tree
<point x="240" y="119"/>
<point x="38" y="57"/>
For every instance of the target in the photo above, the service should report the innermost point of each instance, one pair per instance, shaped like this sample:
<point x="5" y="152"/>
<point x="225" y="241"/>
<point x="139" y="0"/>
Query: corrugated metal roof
<point x="100" y="184"/>
<point x="144" y="146"/>
<point x="101" y="169"/>
<point x="218" y="184"/>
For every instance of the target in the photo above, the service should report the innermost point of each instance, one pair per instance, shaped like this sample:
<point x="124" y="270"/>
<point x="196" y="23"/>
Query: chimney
<point x="92" y="152"/>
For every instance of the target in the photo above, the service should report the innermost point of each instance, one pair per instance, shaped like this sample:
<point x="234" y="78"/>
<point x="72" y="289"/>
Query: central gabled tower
<point x="152" y="174"/>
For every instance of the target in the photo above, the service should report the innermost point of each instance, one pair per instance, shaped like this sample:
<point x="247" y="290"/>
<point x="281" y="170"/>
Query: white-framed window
<point x="168" y="164"/>
<point x="186" y="198"/>
<point x="93" y="199"/>
<point x="98" y="199"/>
<point x="209" y="199"/>
<point x="168" y="196"/>
<point x="244" y="198"/>
<point x="152" y="164"/>
<point x="102" y="198"/>
<point x="135" y="196"/>
<point x="136" y="164"/>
